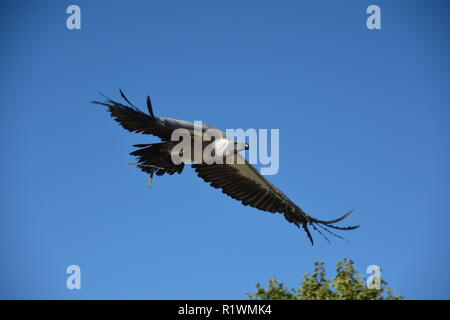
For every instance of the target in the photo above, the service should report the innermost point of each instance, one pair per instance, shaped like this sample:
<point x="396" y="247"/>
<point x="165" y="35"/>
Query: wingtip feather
<point x="149" y="107"/>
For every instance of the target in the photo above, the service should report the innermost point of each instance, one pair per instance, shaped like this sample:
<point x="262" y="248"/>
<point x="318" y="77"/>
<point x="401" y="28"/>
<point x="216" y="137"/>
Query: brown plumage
<point x="239" y="180"/>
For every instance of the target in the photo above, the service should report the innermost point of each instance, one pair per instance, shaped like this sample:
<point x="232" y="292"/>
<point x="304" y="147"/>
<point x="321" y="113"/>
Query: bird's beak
<point x="240" y="146"/>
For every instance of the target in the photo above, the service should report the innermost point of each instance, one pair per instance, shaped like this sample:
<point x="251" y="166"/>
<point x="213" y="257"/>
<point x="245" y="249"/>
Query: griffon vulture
<point x="239" y="180"/>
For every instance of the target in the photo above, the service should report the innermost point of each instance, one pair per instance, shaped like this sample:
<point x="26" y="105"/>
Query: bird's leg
<point x="144" y="165"/>
<point x="150" y="180"/>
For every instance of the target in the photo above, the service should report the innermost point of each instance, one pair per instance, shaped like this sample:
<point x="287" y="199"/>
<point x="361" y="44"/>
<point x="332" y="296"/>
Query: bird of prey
<point x="237" y="179"/>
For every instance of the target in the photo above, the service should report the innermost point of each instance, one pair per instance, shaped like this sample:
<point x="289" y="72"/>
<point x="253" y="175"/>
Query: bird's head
<point x="240" y="146"/>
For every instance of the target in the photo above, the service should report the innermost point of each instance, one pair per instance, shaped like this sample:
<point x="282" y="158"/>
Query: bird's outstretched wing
<point x="243" y="182"/>
<point x="134" y="120"/>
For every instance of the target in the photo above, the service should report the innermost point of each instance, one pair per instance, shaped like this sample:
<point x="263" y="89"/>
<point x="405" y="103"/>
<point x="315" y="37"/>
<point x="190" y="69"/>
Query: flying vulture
<point x="237" y="179"/>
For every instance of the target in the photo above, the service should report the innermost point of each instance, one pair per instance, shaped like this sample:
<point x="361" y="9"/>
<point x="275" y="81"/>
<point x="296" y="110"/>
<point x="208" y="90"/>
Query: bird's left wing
<point x="241" y="181"/>
<point x="134" y="120"/>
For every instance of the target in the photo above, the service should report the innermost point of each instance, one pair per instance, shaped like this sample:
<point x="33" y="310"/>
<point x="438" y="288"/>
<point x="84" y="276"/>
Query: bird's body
<point x="223" y="167"/>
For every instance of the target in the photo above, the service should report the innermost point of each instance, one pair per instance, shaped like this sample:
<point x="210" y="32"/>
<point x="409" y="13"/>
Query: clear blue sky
<point x="363" y="118"/>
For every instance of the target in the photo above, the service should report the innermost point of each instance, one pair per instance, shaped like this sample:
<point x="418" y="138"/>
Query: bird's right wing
<point x="241" y="181"/>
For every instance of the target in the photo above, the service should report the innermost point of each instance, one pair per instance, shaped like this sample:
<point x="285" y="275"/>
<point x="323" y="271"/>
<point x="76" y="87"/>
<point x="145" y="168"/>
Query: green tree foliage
<point x="346" y="285"/>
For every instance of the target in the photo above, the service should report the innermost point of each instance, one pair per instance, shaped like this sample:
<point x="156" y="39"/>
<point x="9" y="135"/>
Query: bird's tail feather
<point x="154" y="158"/>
